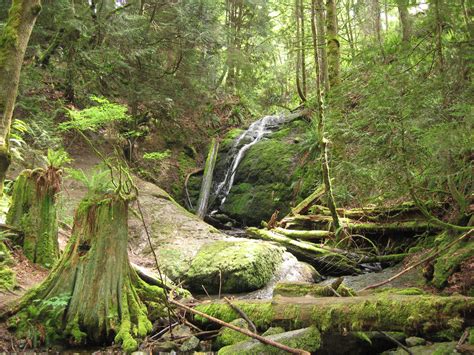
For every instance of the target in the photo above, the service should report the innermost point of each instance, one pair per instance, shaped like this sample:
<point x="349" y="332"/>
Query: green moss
<point x="261" y="314"/>
<point x="7" y="276"/>
<point x="236" y="266"/>
<point x="228" y="336"/>
<point x="470" y="339"/>
<point x="308" y="339"/>
<point x="449" y="262"/>
<point x="33" y="211"/>
<point x="273" y="331"/>
<point x="300" y="289"/>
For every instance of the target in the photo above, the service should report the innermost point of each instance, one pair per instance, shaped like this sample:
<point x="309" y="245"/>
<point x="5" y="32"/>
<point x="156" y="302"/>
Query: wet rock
<point x="235" y="266"/>
<point x="414" y="341"/>
<point x="308" y="339"/>
<point x="228" y="336"/>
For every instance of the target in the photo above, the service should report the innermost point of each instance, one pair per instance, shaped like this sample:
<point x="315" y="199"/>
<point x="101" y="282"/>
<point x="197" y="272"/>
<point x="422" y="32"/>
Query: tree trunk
<point x="33" y="211"/>
<point x="438" y="4"/>
<point x="13" y="42"/>
<point x="333" y="43"/>
<point x="104" y="297"/>
<point x="203" y="200"/>
<point x="318" y="9"/>
<point x="323" y="82"/>
<point x="405" y="22"/>
<point x="299" y="55"/>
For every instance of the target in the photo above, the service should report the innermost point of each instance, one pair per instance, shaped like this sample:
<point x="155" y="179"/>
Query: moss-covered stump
<point x="33" y="211"/>
<point x="92" y="295"/>
<point x="427" y="316"/>
<point x="308" y="339"/>
<point x="233" y="266"/>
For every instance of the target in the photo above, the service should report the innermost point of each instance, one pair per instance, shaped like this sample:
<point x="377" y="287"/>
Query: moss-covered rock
<point x="236" y="266"/>
<point x="228" y="336"/>
<point x="270" y="177"/>
<point x="448" y="348"/>
<point x="308" y="339"/>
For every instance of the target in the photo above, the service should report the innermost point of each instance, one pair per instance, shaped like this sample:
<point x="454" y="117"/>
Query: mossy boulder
<point x="236" y="266"/>
<point x="308" y="339"/>
<point x="228" y="336"/>
<point x="271" y="176"/>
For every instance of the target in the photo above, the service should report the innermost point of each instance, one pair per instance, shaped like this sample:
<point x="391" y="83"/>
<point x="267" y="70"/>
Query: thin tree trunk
<point x="299" y="59"/>
<point x="321" y="44"/>
<point x="404" y="20"/>
<point x="321" y="69"/>
<point x="333" y="43"/>
<point x="13" y="42"/>
<point x="303" y="49"/>
<point x="439" y="34"/>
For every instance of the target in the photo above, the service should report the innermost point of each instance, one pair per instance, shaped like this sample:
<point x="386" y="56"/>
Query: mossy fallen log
<point x="93" y="295"/>
<point x="300" y="289"/>
<point x="384" y="258"/>
<point x="323" y="222"/>
<point x="304" y="234"/>
<point x="33" y="212"/>
<point x="324" y="260"/>
<point x="304" y="205"/>
<point x="424" y="315"/>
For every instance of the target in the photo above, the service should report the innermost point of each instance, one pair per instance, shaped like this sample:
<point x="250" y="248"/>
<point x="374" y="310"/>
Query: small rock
<point x="189" y="344"/>
<point x="414" y="341"/>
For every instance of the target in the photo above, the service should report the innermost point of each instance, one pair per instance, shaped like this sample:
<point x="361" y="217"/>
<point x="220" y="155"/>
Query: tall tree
<point x="405" y="22"/>
<point x="333" y="43"/>
<point x="300" y="51"/>
<point x="320" y="49"/>
<point x="13" y="42"/>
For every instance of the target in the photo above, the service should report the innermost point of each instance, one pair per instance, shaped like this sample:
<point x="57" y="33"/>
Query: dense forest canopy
<point x="342" y="128"/>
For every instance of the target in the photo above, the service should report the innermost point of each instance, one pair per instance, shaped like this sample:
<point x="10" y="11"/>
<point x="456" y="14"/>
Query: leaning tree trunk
<point x="33" y="212"/>
<point x="105" y="298"/>
<point x="13" y="42"/>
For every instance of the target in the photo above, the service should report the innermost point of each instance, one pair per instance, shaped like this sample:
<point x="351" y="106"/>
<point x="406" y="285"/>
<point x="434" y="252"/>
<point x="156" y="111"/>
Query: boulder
<point x="308" y="339"/>
<point x="238" y="266"/>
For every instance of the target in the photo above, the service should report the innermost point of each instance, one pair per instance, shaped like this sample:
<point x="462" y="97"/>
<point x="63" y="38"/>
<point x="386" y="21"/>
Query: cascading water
<point x="256" y="132"/>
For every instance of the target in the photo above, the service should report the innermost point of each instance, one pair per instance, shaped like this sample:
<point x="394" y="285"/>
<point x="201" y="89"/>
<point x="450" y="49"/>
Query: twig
<point x="206" y="292"/>
<point x="161" y="332"/>
<point x="396" y="342"/>
<point x="220" y="283"/>
<point x="243" y="331"/>
<point x="429" y="258"/>
<point x="242" y="314"/>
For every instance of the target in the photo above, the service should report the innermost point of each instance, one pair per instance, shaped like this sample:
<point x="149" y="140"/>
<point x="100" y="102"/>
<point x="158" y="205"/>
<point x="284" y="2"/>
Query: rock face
<point x="242" y="266"/>
<point x="271" y="176"/>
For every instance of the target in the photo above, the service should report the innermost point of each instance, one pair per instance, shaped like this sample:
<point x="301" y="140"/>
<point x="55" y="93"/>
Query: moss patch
<point x="228" y="336"/>
<point x="7" y="276"/>
<point x="308" y="339"/>
<point x="237" y="266"/>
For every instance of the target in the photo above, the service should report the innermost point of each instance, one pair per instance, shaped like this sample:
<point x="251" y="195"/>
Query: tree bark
<point x="13" y="42"/>
<point x="33" y="212"/>
<point x="105" y="298"/>
<point x="333" y="43"/>
<point x="318" y="9"/>
<point x="300" y="87"/>
<point x="405" y="22"/>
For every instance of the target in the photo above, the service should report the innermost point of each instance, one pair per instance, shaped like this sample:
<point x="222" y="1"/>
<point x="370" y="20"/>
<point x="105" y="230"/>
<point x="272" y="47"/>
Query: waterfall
<point x="256" y="132"/>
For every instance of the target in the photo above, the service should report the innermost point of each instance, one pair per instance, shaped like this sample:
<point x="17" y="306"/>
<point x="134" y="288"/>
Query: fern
<point x="157" y="155"/>
<point x="95" y="117"/>
<point x="57" y="158"/>
<point x="99" y="181"/>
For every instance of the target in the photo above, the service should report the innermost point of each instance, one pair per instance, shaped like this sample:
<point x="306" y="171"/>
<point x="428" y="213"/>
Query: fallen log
<point x="422" y="315"/>
<point x="304" y="205"/>
<point x="304" y="234"/>
<point x="323" y="222"/>
<point x="384" y="258"/>
<point x="324" y="260"/>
